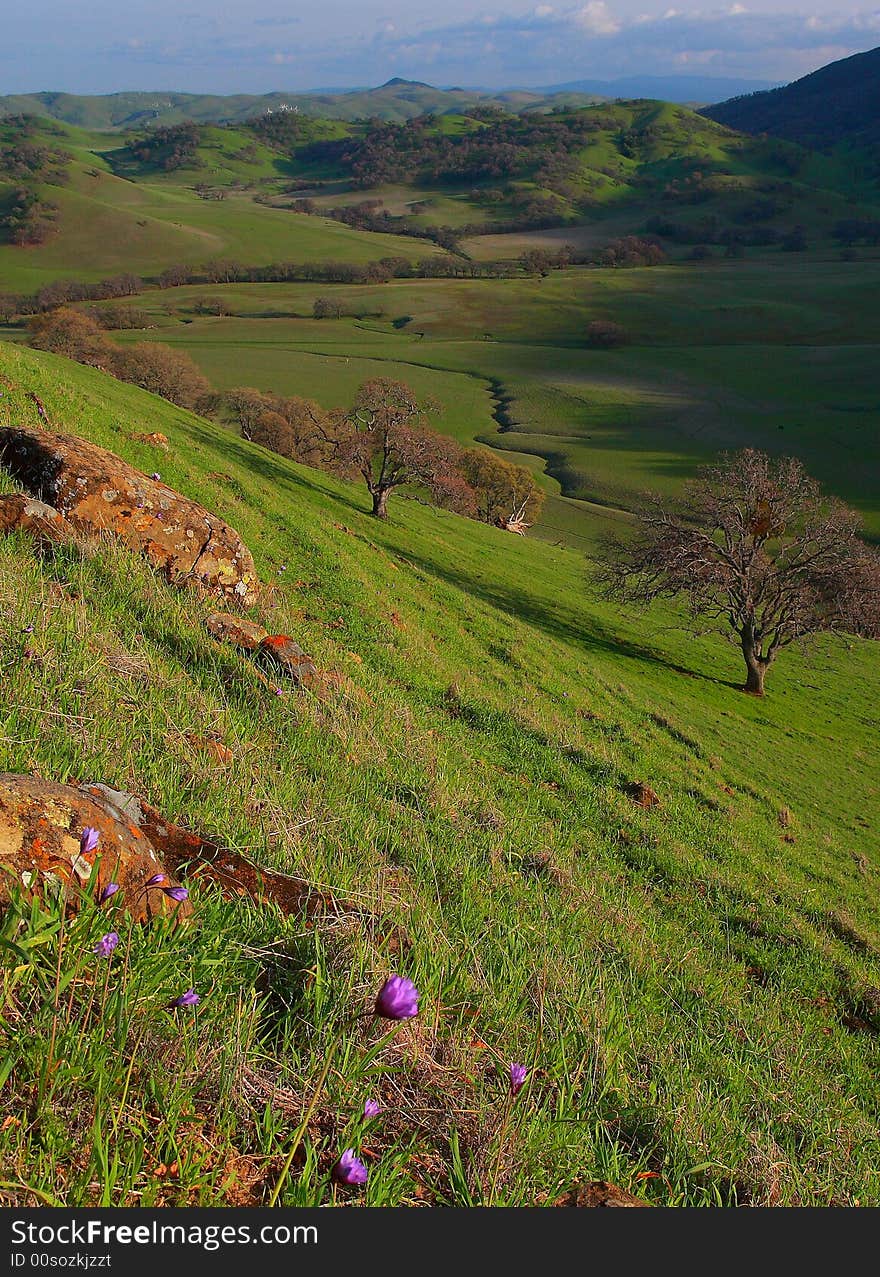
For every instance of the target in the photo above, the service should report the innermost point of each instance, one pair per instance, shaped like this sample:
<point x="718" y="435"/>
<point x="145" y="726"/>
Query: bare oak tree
<point x="756" y="547"/>
<point x="386" y="441"/>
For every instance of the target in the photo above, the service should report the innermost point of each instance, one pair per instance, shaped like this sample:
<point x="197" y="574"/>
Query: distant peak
<point x="397" y="82"/>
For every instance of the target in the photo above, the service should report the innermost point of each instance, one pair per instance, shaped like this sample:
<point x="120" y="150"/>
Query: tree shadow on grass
<point x="557" y="622"/>
<point x="261" y="462"/>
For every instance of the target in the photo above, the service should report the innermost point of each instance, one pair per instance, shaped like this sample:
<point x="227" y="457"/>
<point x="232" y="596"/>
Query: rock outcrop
<point x="96" y="492"/>
<point x="41" y="823"/>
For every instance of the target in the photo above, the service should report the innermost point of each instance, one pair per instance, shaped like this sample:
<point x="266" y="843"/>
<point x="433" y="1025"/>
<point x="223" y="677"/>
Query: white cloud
<point x="596" y="18"/>
<point x="544" y="11"/>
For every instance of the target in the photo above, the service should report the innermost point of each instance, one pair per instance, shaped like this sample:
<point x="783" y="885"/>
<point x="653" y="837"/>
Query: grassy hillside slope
<point x="693" y="986"/>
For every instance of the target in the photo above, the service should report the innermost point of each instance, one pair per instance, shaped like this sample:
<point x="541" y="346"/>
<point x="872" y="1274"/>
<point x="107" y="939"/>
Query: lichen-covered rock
<point x="96" y="492"/>
<point x="197" y="858"/>
<point x="287" y="655"/>
<point x="41" y="823"/>
<point x="20" y="513"/>
<point x="229" y="628"/>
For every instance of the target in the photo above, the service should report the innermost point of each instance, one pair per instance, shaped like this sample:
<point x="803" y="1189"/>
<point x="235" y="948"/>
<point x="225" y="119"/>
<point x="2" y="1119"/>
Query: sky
<point x="256" y="46"/>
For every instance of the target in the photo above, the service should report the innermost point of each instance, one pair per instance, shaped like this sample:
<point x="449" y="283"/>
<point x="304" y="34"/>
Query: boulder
<point x="19" y="513"/>
<point x="287" y="655"/>
<point x="197" y="858"/>
<point x="97" y="492"/>
<point x="229" y="628"/>
<point x="40" y="827"/>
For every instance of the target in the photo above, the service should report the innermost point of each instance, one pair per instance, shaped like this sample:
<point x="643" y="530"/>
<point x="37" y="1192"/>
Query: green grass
<point x="777" y="352"/>
<point x="691" y="986"/>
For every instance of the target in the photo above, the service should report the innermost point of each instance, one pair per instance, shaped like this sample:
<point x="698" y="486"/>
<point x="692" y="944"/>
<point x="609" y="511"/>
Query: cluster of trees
<point x="28" y="219"/>
<point x="168" y="147"/>
<point x="66" y="292"/>
<point x="24" y="160"/>
<point x="631" y="250"/>
<point x="369" y="215"/>
<point x="151" y="365"/>
<point x="711" y="230"/>
<point x="385" y="440"/>
<point x="604" y="334"/>
<point x="541" y="261"/>
<point x="506" y="146"/>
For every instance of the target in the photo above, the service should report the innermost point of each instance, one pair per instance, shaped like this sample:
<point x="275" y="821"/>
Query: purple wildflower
<point x="188" y="999"/>
<point x="106" y="944"/>
<point x="155" y="881"/>
<point x="279" y="691"/>
<point x="176" y="893"/>
<point x="155" y="475"/>
<point x="110" y="890"/>
<point x="350" y="1169"/>
<point x="372" y="1108"/>
<point x="88" y="840"/>
<point x="398" y="999"/>
<point x="518" y="1075"/>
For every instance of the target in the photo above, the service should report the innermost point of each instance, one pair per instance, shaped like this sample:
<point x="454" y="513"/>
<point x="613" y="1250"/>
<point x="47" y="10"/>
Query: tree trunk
<point x="380" y="503"/>
<point x="756" y="667"/>
<point x="755" y="678"/>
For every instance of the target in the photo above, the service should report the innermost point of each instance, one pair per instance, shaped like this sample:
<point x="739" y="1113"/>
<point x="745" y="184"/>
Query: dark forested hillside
<point x="838" y="103"/>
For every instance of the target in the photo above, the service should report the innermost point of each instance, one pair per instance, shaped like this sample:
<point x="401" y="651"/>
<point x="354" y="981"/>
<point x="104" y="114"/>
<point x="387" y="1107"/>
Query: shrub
<point x="604" y="334"/>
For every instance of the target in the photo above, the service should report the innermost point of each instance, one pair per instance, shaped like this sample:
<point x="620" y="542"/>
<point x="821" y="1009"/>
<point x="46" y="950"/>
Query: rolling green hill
<point x="397" y="100"/>
<point x="693" y="987"/>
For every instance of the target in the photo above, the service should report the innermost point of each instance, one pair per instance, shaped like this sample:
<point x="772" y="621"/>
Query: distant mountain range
<point x="839" y="103"/>
<point x="398" y="100"/>
<point x="686" y="89"/>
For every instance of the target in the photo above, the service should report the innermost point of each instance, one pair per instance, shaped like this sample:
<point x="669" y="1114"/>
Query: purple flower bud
<point x="398" y="999"/>
<point x="188" y="999"/>
<point x="106" y="944"/>
<point x="110" y="890"/>
<point x="88" y="840"/>
<point x="155" y="881"/>
<point x="350" y="1169"/>
<point x="518" y="1075"/>
<point x="372" y="1108"/>
<point x="176" y="893"/>
<point x="279" y="691"/>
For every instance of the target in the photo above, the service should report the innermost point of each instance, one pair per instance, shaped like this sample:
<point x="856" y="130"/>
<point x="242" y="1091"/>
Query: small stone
<point x="642" y="795"/>
<point x="229" y="628"/>
<point x="287" y="654"/>
<point x="598" y="1193"/>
